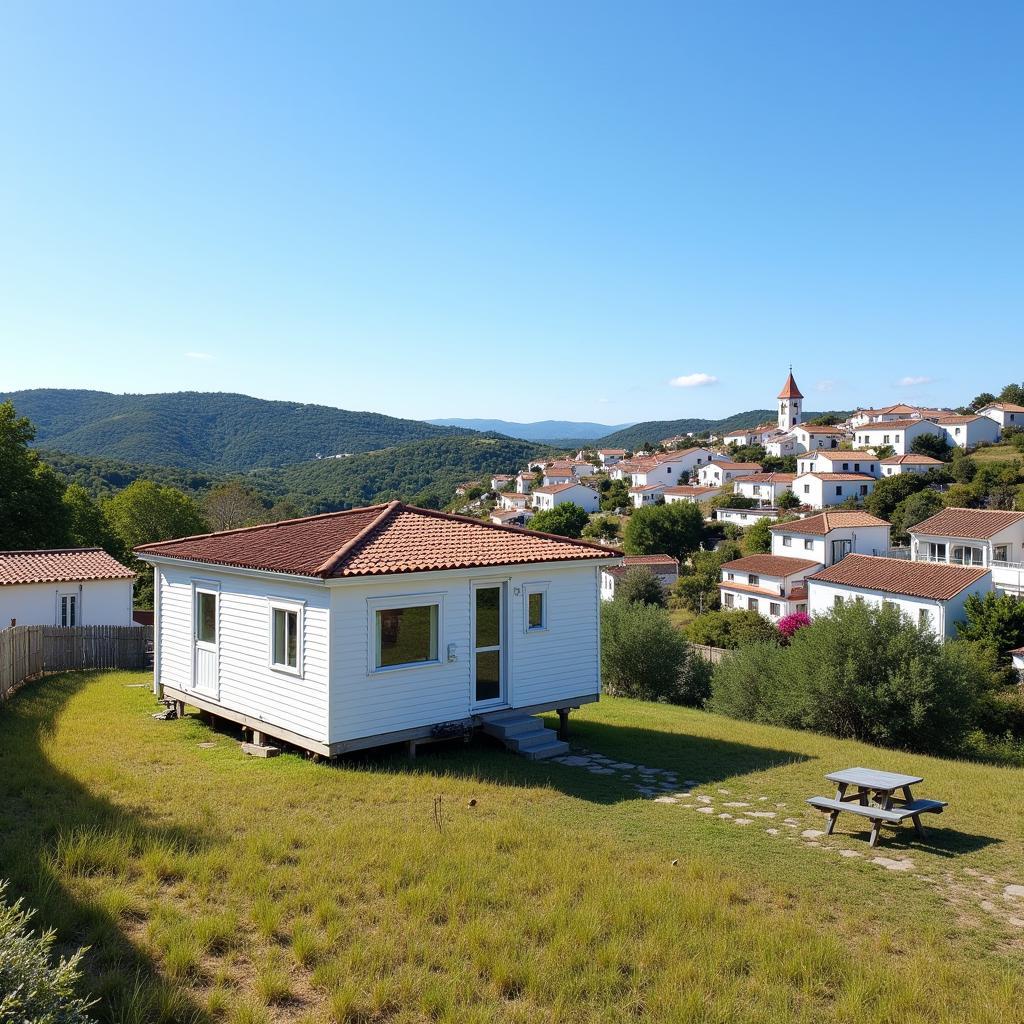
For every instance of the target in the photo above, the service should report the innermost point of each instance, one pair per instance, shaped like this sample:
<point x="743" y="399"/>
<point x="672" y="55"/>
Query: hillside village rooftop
<point x="935" y="581"/>
<point x="60" y="565"/>
<point x="972" y="523"/>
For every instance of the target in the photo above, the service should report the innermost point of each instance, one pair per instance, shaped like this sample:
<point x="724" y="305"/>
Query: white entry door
<point x="488" y="631"/>
<point x="206" y="619"/>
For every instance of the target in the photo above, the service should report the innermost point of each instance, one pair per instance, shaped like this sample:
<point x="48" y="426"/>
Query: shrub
<point x="697" y="587"/>
<point x="643" y="655"/>
<point x="567" y="520"/>
<point x="861" y="672"/>
<point x="674" y="529"/>
<point x="33" y="987"/>
<point x="732" y="629"/>
<point x="996" y="620"/>
<point x="789" y="624"/>
<point x="640" y="586"/>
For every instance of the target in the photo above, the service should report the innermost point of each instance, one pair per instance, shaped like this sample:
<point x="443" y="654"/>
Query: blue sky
<point x="529" y="210"/>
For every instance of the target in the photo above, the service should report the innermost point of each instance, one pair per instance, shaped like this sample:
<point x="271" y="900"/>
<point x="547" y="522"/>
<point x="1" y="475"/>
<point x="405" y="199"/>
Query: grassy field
<point x="997" y="453"/>
<point x="473" y="886"/>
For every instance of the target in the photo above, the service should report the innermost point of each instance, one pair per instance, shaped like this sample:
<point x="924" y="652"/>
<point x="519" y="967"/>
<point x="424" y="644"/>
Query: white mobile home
<point x="64" y="587"/>
<point x="376" y="625"/>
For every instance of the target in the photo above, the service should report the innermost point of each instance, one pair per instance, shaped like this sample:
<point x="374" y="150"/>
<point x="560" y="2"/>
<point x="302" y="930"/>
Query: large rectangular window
<point x="406" y="636"/>
<point x="206" y="617"/>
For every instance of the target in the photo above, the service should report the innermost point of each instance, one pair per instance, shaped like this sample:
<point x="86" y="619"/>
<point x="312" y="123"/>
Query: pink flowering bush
<point x="789" y="624"/>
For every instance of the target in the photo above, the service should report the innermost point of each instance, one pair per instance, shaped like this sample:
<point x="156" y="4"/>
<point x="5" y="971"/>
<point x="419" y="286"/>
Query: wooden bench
<point x="878" y="815"/>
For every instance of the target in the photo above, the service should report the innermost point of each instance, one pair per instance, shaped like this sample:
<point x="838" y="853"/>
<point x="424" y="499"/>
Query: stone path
<point x="967" y="888"/>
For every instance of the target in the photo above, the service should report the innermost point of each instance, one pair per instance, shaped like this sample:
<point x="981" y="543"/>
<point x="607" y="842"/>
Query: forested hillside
<point x="207" y="431"/>
<point x="656" y="430"/>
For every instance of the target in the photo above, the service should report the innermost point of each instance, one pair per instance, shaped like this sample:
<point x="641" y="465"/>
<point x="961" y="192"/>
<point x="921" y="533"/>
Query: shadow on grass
<point x="941" y="842"/>
<point x="47" y="816"/>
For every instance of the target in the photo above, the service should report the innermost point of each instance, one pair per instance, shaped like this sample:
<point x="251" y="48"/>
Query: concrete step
<point x="544" y="749"/>
<point x="525" y="735"/>
<point x="512" y="725"/>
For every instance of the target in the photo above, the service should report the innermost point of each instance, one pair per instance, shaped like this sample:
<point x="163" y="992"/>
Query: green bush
<point x="639" y="585"/>
<point x="675" y="529"/>
<point x="566" y="520"/>
<point x="861" y="672"/>
<point x="643" y="655"/>
<point x="732" y="629"/>
<point x="35" y="989"/>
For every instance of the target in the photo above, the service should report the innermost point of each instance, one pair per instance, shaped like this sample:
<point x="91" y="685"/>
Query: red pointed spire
<point x="789" y="389"/>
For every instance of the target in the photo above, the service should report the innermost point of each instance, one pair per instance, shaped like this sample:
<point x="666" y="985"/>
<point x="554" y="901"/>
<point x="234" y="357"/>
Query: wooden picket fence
<point x="30" y="651"/>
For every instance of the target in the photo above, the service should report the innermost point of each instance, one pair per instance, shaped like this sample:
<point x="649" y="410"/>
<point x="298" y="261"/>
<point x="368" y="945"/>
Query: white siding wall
<point x="101" y="603"/>
<point x="247" y="683"/>
<point x="558" y="663"/>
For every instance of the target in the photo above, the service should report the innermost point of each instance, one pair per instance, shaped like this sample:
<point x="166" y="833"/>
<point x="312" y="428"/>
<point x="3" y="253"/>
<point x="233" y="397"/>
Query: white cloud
<point x="825" y="385"/>
<point x="693" y="380"/>
<point x="913" y="382"/>
<point x="198" y="355"/>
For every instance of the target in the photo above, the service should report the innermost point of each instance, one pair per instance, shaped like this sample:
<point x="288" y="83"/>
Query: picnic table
<point x="874" y="796"/>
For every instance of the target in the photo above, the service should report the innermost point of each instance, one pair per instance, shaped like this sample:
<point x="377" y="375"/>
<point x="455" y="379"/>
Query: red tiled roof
<point x="911" y="459"/>
<point x="789" y="389"/>
<point x="646" y="487"/>
<point x="973" y="523"/>
<point x="768" y="478"/>
<point x="770" y="565"/>
<point x="891" y="425"/>
<point x="840" y="456"/>
<point x="817" y="428"/>
<point x="686" y="491"/>
<point x="746" y="588"/>
<point x="374" y="541"/>
<point x="840" y="476"/>
<point x="611" y="451"/>
<point x="650" y="560"/>
<point x="826" y="522"/>
<point x="555" y="488"/>
<point x="756" y="466"/>
<point x="953" y="420"/>
<point x="1005" y="406"/>
<point x="60" y="565"/>
<point x="935" y="581"/>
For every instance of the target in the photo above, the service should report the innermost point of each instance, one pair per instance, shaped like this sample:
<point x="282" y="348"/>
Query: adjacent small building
<point x="932" y="595"/>
<point x="552" y="495"/>
<point x="900" y="434"/>
<point x="838" y="462"/>
<point x="687" y="492"/>
<point x="821" y="490"/>
<point x="830" y="536"/>
<point x="772" y="585"/>
<point x="1005" y="414"/>
<point x="968" y="432"/>
<point x="718" y="473"/>
<point x="647" y="494"/>
<point x="64" y="587"/>
<point x="765" y="488"/>
<point x="664" y="567"/>
<point x="896" y="465"/>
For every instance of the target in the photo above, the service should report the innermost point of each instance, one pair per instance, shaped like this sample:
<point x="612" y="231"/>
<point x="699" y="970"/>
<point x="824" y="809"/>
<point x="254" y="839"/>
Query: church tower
<point x="789" y="403"/>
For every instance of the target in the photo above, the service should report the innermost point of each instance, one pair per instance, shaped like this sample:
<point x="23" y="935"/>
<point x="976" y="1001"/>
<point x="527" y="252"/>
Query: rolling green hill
<point x="656" y="430"/>
<point x="425" y="472"/>
<point x="207" y="431"/>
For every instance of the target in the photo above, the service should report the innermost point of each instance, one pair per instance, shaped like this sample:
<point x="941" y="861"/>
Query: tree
<point x="985" y="398"/>
<point x="1013" y="393"/>
<point x="567" y="520"/>
<point x="757" y="539"/>
<point x="674" y="529"/>
<point x="32" y="514"/>
<point x="963" y="466"/>
<point x="697" y="587"/>
<point x="644" y="656"/>
<point x="640" y="586"/>
<point x="913" y="510"/>
<point x="616" y="496"/>
<point x="732" y="501"/>
<point x="602" y="528"/>
<point x="891" y="490"/>
<point x="732" y="629"/>
<point x="788" y="500"/>
<point x="86" y="525"/>
<point x="231" y="505"/>
<point x="935" y="445"/>
<point x="884" y="451"/>
<point x="996" y="620"/>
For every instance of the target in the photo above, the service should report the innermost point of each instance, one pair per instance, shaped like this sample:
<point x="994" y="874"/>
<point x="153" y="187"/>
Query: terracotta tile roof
<point x="646" y="487"/>
<point x="973" y="523"/>
<point x="374" y="541"/>
<point x="789" y="389"/>
<point x="60" y="565"/>
<point x="770" y="565"/>
<point x="686" y="491"/>
<point x="556" y="488"/>
<point x="611" y="451"/>
<point x="936" y="581"/>
<point x="953" y="420"/>
<point x="650" y="560"/>
<point x="840" y="476"/>
<point x="756" y="466"/>
<point x="826" y="522"/>
<point x="768" y="478"/>
<point x="746" y="588"/>
<point x="891" y="425"/>
<point x="817" y="428"/>
<point x="912" y="459"/>
<point x="1005" y="406"/>
<point x="839" y="456"/>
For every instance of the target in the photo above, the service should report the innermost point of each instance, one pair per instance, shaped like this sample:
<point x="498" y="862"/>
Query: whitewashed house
<point x="376" y="625"/>
<point x="609" y="456"/>
<point x="896" y="465"/>
<point x="1017" y="662"/>
<point x="900" y="411"/>
<point x="764" y="488"/>
<point x="984" y="537"/>
<point x="931" y="595"/>
<point x="744" y="517"/>
<point x="686" y="492"/>
<point x="969" y="431"/>
<point x="820" y="490"/>
<point x="838" y="462"/>
<point x="814" y="437"/>
<point x="647" y="494"/>
<point x="830" y="536"/>
<point x="718" y="473"/>
<point x="1006" y="414"/>
<point x="514" y="500"/>
<point x="524" y="481"/>
<point x="552" y="495"/>
<point x="664" y="567"/>
<point x="64" y="587"/>
<point x="772" y="585"/>
<point x="500" y="481"/>
<point x="898" y="433"/>
<point x="558" y="473"/>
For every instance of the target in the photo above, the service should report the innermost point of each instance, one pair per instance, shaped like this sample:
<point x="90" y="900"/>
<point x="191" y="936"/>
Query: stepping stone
<point x="812" y="833"/>
<point x="725" y="792"/>
<point x="988" y="905"/>
<point x="791" y="821"/>
<point x="576" y="760"/>
<point x="725" y="814"/>
<point x="742" y="821"/>
<point x="705" y="810"/>
<point x="1016" y="922"/>
<point x="1014" y="890"/>
<point x="602" y="771"/>
<point x="705" y="799"/>
<point x="812" y="842"/>
<point x="735" y="803"/>
<point x="665" y="800"/>
<point x="624" y="766"/>
<point x="780" y="805"/>
<point x="893" y="865"/>
<point x="206" y="746"/>
<point x="849" y="853"/>
<point x="763" y="799"/>
<point x="772" y="831"/>
<point x="761" y="814"/>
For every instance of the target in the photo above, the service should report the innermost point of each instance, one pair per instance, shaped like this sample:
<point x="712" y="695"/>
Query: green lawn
<point x="997" y="453"/>
<point x="215" y="887"/>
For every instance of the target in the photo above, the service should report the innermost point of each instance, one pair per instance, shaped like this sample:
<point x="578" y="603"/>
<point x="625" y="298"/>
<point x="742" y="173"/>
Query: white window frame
<point x="73" y="596"/>
<point x="535" y="588"/>
<point x="211" y="587"/>
<point x="287" y="604"/>
<point x="383" y="604"/>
